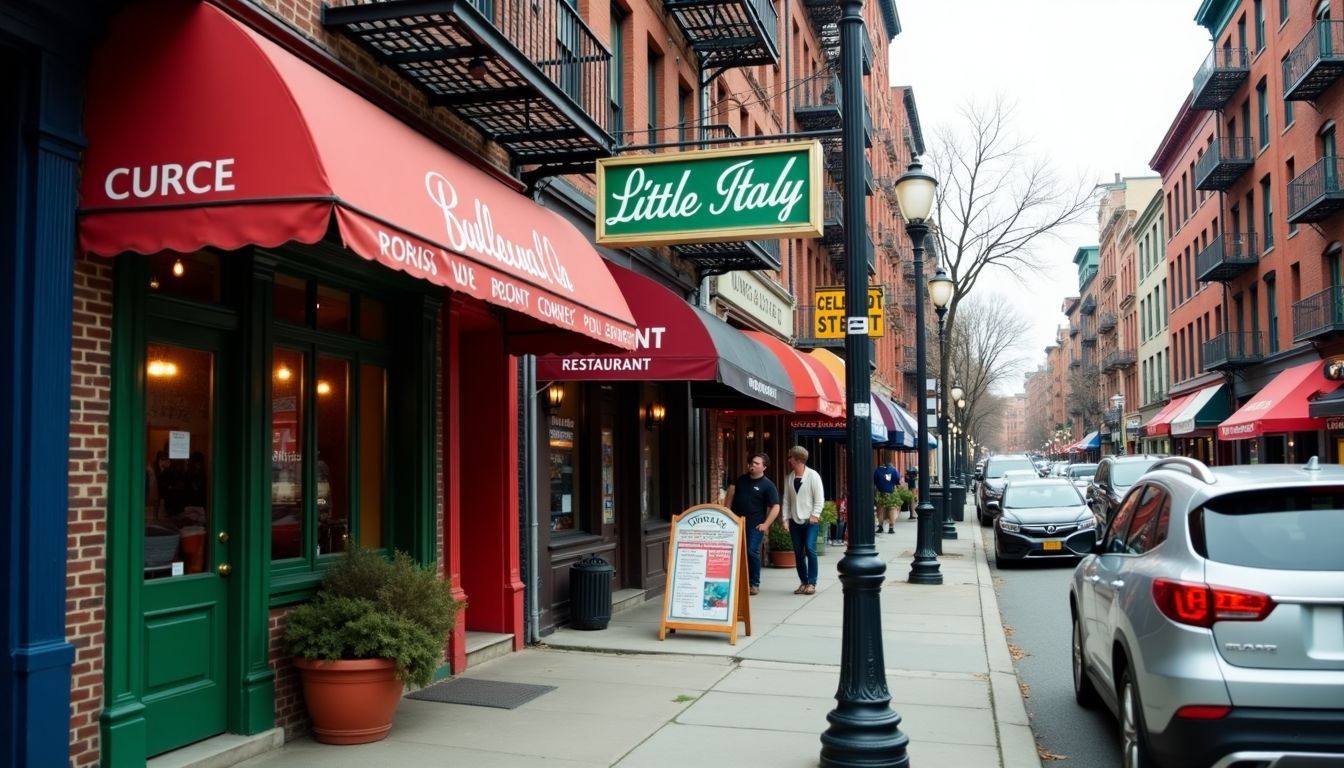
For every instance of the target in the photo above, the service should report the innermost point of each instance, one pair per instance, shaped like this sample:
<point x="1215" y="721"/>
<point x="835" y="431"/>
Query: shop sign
<point x="829" y="312"/>
<point x="756" y="297"/>
<point x="1336" y="422"/>
<point x="711" y="196"/>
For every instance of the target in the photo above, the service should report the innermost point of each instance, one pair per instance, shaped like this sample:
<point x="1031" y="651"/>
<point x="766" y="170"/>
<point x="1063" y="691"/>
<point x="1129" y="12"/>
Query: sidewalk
<point x="623" y="698"/>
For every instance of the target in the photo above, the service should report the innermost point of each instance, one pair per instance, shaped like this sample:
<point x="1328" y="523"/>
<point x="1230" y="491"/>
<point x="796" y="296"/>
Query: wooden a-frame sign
<point x="706" y="586"/>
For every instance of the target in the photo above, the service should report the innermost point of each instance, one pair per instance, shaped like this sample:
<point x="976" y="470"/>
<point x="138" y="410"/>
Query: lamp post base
<point x="925" y="568"/>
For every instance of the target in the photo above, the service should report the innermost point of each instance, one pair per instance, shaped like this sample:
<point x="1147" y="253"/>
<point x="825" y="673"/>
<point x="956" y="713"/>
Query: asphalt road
<point x="1034" y="603"/>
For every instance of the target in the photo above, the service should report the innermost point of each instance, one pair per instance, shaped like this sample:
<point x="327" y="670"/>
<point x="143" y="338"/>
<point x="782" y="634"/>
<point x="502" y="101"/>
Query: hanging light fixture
<point x="654" y="415"/>
<point x="283" y="373"/>
<point x="161" y="369"/>
<point x="178" y="268"/>
<point x="323" y="388"/>
<point x="555" y="395"/>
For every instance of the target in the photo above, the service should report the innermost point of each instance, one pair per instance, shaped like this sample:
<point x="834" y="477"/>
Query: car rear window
<point x="1082" y="470"/>
<point x="996" y="468"/>
<point x="1294" y="529"/>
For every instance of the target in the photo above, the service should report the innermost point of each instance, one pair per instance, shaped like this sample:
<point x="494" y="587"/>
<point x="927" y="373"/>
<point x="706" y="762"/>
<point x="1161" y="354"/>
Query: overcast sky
<point x="1095" y="84"/>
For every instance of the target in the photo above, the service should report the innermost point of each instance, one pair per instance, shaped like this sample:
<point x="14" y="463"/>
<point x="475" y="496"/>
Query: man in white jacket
<point x="803" y="498"/>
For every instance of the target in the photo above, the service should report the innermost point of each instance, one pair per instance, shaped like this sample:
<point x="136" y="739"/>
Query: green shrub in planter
<point x="372" y="608"/>
<point x="780" y="539"/>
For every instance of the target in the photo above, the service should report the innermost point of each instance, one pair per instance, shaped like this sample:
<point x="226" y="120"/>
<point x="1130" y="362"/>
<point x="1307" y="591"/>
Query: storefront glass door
<point x="186" y="499"/>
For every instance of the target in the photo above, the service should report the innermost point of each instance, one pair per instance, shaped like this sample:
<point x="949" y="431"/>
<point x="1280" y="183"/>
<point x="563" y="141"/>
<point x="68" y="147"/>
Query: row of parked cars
<point x="1207" y="611"/>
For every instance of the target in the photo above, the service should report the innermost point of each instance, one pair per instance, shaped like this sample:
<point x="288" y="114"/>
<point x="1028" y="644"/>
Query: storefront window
<point x="564" y="463"/>
<point x="329" y="387"/>
<point x="288" y="372"/>
<point x="179" y="438"/>
<point x="194" y="276"/>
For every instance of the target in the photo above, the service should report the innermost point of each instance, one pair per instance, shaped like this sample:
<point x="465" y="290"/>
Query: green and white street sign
<point x="711" y="196"/>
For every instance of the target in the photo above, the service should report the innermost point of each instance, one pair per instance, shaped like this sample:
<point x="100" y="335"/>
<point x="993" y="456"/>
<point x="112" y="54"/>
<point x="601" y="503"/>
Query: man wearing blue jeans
<point x="754" y="498"/>
<point x="803" y="500"/>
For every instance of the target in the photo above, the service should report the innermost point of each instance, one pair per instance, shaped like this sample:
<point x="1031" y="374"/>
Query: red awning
<point x="815" y="389"/>
<point x="680" y="342"/>
<point x="204" y="133"/>
<point x="1161" y="423"/>
<point x="1282" y="405"/>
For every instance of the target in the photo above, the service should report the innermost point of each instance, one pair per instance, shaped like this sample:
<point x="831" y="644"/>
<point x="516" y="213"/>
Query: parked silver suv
<point x="1210" y="616"/>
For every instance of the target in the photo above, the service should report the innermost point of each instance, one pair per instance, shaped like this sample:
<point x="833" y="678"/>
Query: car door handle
<point x="1117" y="583"/>
<point x="1092" y="577"/>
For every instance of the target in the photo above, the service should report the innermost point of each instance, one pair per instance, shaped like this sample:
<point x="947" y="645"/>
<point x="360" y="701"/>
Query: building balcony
<point x="818" y="105"/>
<point x="1314" y="195"/>
<point x="1089" y="334"/>
<point x="835" y="165"/>
<point x="805" y="319"/>
<point x="728" y="33"/>
<point x="890" y="242"/>
<point x="718" y="258"/>
<point x="1226" y="160"/>
<point x="1316" y="62"/>
<point x="1118" y="359"/>
<point x="889" y="144"/>
<point x="1126" y="298"/>
<point x="1227" y="256"/>
<point x="1221" y="74"/>
<point x="832" y="221"/>
<point x="1233" y="351"/>
<point x="840" y="262"/>
<point x="530" y="75"/>
<point x="1107" y="279"/>
<point x="1106" y="322"/>
<point x="1320" y="315"/>
<point x="1075" y="363"/>
<point x="1073" y="330"/>
<point x="1089" y="305"/>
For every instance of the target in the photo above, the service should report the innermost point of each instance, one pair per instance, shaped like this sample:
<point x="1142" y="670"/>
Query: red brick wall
<point x="90" y="393"/>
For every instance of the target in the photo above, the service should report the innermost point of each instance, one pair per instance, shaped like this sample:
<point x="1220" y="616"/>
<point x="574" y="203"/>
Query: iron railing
<point x="1106" y="322"/>
<point x="1226" y="256"/>
<point x="1314" y="195"/>
<point x="1235" y="349"/>
<point x="1225" y="161"/>
<point x="1222" y="72"/>
<point x="1320" y="314"/>
<point x="1316" y="61"/>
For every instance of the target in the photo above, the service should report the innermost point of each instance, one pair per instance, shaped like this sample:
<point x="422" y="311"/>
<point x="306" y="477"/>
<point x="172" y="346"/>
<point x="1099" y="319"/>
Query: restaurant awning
<point x="877" y="426"/>
<point x="897" y="435"/>
<point x="1089" y="443"/>
<point x="911" y="427"/>
<point x="1160" y="424"/>
<point x="202" y="132"/>
<point x="1282" y="406"/>
<point x="815" y="389"/>
<point x="1204" y="410"/>
<point x="680" y="342"/>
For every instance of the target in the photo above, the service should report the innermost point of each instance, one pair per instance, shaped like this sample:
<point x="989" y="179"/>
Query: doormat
<point x="481" y="693"/>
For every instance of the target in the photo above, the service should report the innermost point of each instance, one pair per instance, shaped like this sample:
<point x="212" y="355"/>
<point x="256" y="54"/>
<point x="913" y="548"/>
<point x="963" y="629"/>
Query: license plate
<point x="1049" y="545"/>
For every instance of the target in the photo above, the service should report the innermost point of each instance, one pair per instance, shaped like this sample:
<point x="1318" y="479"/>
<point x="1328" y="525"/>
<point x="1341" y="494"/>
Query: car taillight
<point x="1201" y="605"/>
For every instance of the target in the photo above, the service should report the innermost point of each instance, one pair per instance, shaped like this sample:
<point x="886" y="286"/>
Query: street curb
<point x="1017" y="744"/>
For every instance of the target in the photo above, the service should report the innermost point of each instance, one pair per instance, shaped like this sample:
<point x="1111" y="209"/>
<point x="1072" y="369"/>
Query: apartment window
<point x="1328" y="149"/>
<point x="1287" y="104"/>
<point x="655" y="62"/>
<point x="1262" y="104"/>
<point x="616" y="76"/>
<point x="684" y="112"/>
<point x="1283" y="11"/>
<point x="1272" y="312"/>
<point x="1259" y="25"/>
<point x="1290" y="169"/>
<point x="1246" y="117"/>
<point x="1267" y="213"/>
<point x="1189" y="274"/>
<point x="1241" y="35"/>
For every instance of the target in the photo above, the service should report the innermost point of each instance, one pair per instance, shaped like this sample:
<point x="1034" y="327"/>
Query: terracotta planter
<point x="782" y="559"/>
<point x="350" y="702"/>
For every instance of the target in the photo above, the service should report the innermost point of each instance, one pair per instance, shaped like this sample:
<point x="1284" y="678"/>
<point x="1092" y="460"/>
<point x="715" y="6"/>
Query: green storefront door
<point x="189" y="494"/>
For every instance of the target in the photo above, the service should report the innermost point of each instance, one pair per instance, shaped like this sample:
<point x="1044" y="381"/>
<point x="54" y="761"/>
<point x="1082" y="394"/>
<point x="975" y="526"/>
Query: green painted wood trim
<point x="415" y="533"/>
<point x="252" y="701"/>
<point x="121" y="723"/>
<point x="1215" y="15"/>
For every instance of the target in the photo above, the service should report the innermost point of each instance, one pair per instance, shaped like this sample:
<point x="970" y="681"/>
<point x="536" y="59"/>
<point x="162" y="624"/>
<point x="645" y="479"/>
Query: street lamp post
<point x="961" y="449"/>
<point x="864" y="730"/>
<point x="941" y="289"/>
<point x="1118" y="403"/>
<point x="914" y="195"/>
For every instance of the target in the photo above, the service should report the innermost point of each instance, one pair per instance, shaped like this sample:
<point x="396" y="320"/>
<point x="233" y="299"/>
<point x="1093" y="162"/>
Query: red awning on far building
<point x="204" y="133"/>
<point x="1282" y="405"/>
<point x="815" y="389"/>
<point x="1161" y="423"/>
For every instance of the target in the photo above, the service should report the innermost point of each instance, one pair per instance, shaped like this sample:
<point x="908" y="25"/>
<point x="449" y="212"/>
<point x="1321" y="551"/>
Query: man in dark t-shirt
<point x="754" y="497"/>
<point x="885" y="480"/>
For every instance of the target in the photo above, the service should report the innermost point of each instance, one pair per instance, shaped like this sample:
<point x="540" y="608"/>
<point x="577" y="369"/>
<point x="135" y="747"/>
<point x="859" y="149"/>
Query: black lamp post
<point x="1118" y="403"/>
<point x="914" y="194"/>
<point x="949" y="451"/>
<point x="941" y="289"/>
<point x="864" y="730"/>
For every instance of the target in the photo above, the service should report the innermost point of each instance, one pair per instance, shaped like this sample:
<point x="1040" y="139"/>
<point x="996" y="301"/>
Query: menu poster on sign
<point x="706" y="573"/>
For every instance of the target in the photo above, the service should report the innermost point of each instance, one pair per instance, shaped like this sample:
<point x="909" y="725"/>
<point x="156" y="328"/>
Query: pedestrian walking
<point x="885" y="480"/>
<point x="754" y="497"/>
<point x="803" y="500"/>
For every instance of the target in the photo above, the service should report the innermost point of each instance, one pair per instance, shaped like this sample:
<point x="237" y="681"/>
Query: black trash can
<point x="590" y="593"/>
<point x="958" y="502"/>
<point x="936" y="498"/>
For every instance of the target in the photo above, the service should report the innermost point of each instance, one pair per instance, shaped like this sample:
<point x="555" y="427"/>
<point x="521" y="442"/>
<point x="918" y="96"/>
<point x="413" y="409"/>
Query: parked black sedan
<point x="1042" y="519"/>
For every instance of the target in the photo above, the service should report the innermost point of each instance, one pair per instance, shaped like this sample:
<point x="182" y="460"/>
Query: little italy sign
<point x="711" y="196"/>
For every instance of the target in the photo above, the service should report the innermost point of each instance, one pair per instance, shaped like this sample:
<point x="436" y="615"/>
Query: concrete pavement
<point x="623" y="698"/>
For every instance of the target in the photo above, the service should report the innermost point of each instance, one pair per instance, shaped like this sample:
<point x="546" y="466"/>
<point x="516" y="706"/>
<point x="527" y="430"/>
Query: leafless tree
<point x="997" y="202"/>
<point x="1084" y="398"/>
<point x="985" y="349"/>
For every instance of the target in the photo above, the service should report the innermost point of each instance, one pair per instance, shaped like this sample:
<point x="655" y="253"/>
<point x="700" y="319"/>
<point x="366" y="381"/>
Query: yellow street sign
<point x="829" y="312"/>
